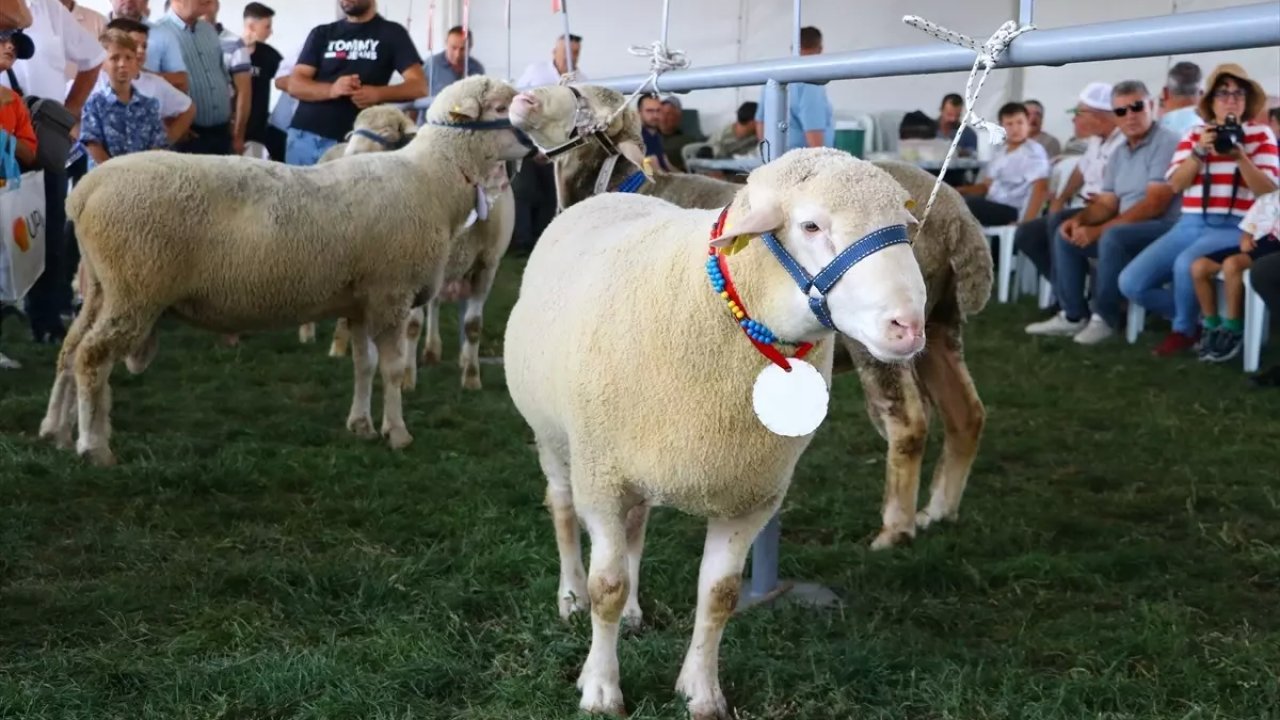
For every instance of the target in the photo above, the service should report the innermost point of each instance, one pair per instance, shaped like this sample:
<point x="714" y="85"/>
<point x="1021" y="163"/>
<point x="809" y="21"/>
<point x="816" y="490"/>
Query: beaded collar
<point x="760" y="336"/>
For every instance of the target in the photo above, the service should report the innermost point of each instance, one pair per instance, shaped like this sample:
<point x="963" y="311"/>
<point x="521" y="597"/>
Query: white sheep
<point x="637" y="380"/>
<point x="951" y="249"/>
<point x="233" y="244"/>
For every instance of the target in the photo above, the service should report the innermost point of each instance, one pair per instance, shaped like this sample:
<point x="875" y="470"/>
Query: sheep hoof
<point x="633" y="618"/>
<point x="98" y="456"/>
<point x="572" y="602"/>
<point x="706" y="701"/>
<point x="398" y="438"/>
<point x="925" y="518"/>
<point x="430" y="356"/>
<point x="600" y="695"/>
<point x="337" y="350"/>
<point x="891" y="538"/>
<point x="471" y="378"/>
<point x="362" y="426"/>
<point x="307" y="333"/>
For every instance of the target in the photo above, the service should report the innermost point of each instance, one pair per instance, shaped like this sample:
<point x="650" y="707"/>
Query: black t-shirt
<point x="266" y="62"/>
<point x="374" y="50"/>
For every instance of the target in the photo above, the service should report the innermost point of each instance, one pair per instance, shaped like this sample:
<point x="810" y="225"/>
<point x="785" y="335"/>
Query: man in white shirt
<point x="1095" y="118"/>
<point x="59" y="41"/>
<point x="91" y="20"/>
<point x="548" y="72"/>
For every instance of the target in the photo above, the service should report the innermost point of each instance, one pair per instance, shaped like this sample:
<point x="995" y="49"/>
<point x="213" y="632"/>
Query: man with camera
<point x="1219" y="168"/>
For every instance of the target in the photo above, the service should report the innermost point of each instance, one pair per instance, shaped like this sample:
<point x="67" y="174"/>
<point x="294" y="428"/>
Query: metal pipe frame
<point x="1026" y="12"/>
<point x="1238" y="28"/>
<point x="568" y="49"/>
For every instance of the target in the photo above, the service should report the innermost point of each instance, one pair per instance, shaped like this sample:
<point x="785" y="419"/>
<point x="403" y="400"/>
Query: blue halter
<point x="499" y="124"/>
<point x="384" y="142"/>
<point x="827" y="277"/>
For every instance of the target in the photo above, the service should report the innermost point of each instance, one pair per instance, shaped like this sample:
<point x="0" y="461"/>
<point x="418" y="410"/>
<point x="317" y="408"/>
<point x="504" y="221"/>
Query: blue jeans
<point x="1170" y="258"/>
<point x="1117" y="246"/>
<point x="305" y="148"/>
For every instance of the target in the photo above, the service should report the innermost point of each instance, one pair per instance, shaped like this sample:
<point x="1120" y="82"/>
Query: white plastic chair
<point x="1256" y="322"/>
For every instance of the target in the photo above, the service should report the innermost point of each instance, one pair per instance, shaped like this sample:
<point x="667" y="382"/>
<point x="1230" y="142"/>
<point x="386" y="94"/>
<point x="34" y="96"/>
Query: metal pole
<point x="1026" y="10"/>
<point x="466" y="38"/>
<point x="568" y="51"/>
<point x="509" y="75"/>
<point x="795" y="38"/>
<point x="1237" y="28"/>
<point x="666" y="17"/>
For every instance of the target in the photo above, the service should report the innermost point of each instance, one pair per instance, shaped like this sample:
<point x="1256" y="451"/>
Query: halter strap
<point x="381" y="140"/>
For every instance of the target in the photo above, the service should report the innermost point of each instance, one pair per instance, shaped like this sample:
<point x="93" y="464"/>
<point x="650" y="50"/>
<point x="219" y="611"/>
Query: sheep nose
<point x="906" y="327"/>
<point x="529" y="101"/>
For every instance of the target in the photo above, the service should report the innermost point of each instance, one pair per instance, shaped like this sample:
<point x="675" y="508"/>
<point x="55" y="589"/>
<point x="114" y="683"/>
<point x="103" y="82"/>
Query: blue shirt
<point x="443" y="75"/>
<point x="201" y="51"/>
<point x="808" y="110"/>
<point x="122" y="128"/>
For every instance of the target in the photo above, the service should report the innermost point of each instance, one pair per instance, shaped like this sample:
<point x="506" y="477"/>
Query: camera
<point x="1229" y="135"/>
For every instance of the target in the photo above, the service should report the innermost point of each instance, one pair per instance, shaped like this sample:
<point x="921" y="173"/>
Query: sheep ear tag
<point x="791" y="404"/>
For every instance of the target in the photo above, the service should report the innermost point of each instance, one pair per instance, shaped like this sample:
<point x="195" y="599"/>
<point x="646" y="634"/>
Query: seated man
<point x="1135" y="206"/>
<point x="949" y="116"/>
<point x="655" y="153"/>
<point x="1095" y="119"/>
<point x="1004" y="186"/>
<point x="738" y="138"/>
<point x="673" y="136"/>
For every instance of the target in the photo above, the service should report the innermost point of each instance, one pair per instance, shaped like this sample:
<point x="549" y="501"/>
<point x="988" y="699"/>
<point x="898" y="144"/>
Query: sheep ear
<point x="632" y="151"/>
<point x="758" y="220"/>
<point x="465" y="110"/>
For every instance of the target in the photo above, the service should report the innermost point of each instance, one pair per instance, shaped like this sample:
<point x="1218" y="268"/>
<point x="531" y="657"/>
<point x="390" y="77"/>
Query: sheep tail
<point x="972" y="264"/>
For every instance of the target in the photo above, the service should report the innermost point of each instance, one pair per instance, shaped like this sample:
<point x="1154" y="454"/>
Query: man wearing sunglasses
<point x="1134" y="206"/>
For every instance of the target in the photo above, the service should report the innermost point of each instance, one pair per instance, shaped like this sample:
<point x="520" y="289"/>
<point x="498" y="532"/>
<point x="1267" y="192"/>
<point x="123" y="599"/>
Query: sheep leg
<point x="637" y="520"/>
<point x="140" y="359"/>
<point x="307" y="333"/>
<point x="719" y="581"/>
<point x="341" y="338"/>
<point x="412" y="332"/>
<point x="947" y="381"/>
<point x="110" y="337"/>
<point x="59" y="418"/>
<point x="572" y="595"/>
<point x="433" y="349"/>
<point x="472" y="325"/>
<point x="390" y="344"/>
<point x="895" y="403"/>
<point x="607" y="587"/>
<point x="360" y="419"/>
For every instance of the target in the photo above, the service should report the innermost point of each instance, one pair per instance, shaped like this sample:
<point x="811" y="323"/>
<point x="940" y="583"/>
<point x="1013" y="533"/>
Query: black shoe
<point x="1223" y="345"/>
<point x="1267" y="378"/>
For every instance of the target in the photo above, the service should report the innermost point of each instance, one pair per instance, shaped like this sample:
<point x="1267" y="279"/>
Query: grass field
<point x="1117" y="556"/>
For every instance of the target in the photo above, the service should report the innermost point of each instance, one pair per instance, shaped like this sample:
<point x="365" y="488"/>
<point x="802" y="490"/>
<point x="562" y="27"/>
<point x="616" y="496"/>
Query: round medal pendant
<point x="793" y="403"/>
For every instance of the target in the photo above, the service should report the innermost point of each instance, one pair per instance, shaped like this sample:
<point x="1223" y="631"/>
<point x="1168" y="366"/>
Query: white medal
<point x="793" y="403"/>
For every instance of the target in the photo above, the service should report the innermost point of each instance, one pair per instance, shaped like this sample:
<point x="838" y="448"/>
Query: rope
<point x="988" y="54"/>
<point x="661" y="59"/>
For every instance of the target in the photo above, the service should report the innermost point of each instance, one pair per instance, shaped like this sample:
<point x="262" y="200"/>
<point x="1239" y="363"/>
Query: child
<point x="118" y="120"/>
<point x="1004" y="186"/>
<point x="15" y="120"/>
<point x="1222" y="336"/>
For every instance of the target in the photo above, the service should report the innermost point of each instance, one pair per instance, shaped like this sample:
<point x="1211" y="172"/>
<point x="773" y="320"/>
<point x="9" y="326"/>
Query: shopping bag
<point x="22" y="225"/>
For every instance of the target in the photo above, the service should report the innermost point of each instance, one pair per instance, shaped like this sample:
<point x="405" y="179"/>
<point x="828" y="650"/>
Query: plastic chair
<point x="1256" y="322"/>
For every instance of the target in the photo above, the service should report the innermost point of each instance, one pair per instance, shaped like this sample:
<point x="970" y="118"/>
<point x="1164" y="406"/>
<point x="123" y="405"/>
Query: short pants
<point x="1261" y="248"/>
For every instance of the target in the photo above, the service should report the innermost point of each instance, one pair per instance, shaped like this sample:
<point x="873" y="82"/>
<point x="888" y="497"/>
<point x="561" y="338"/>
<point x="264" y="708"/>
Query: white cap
<point x="1096" y="95"/>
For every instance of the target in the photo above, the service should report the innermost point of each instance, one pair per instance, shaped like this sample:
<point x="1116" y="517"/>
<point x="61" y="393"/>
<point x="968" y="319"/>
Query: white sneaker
<point x="7" y="363"/>
<point x="1056" y="325"/>
<point x="1095" y="332"/>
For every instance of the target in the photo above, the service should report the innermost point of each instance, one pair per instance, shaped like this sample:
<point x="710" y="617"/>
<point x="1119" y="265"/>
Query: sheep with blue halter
<point x="654" y="351"/>
<point x="233" y="244"/>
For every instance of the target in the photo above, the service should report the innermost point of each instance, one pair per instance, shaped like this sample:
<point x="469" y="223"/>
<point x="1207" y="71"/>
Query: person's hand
<point x="1085" y="235"/>
<point x="344" y="86"/>
<point x="1056" y="205"/>
<point x="1247" y="243"/>
<point x="237" y="145"/>
<point x="1207" y="136"/>
<point x="367" y="96"/>
<point x="1067" y="228"/>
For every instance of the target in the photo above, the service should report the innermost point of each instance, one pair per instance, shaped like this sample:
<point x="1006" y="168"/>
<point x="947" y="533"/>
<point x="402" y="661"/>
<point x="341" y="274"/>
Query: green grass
<point x="1118" y="553"/>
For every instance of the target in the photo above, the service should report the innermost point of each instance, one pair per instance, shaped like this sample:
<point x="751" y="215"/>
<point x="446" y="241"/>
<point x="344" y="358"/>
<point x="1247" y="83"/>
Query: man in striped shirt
<point x="1217" y="190"/>
<point x="210" y="81"/>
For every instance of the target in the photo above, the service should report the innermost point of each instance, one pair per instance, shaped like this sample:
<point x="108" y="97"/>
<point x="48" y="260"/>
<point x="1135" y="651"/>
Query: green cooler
<point x="851" y="137"/>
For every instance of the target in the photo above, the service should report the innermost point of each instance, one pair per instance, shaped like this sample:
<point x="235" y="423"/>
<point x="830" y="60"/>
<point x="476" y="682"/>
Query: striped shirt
<point x="1259" y="146"/>
<point x="209" y="81"/>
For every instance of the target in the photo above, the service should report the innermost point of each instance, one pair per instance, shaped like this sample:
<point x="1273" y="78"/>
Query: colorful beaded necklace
<point x="760" y="336"/>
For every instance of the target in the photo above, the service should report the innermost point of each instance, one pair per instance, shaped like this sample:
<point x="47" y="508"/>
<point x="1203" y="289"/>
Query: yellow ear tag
<point x="739" y="244"/>
<point x="910" y="204"/>
<point x="457" y="108"/>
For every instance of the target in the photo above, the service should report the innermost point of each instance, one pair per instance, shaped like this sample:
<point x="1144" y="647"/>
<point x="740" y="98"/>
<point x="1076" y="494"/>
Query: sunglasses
<point x="1229" y="94"/>
<point x="1136" y="106"/>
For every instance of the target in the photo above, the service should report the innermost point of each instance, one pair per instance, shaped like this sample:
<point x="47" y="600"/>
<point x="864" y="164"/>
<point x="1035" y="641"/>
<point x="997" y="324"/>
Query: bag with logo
<point x="22" y="224"/>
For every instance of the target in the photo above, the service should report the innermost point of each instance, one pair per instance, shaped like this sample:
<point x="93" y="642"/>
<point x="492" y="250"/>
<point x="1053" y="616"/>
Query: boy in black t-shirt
<point x="266" y="62"/>
<point x="343" y="68"/>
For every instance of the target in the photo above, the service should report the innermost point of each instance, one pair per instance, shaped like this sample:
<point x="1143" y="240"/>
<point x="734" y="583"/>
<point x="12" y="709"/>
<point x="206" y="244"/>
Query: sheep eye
<point x="810" y="227"/>
<point x="501" y="109"/>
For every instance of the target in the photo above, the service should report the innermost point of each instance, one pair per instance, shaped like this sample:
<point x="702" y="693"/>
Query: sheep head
<point x="476" y="101"/>
<point x="554" y="114"/>
<point x="818" y="202"/>
<point x="388" y="124"/>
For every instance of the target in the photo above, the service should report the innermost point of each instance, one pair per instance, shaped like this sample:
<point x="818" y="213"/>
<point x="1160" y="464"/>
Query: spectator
<point x="1035" y="118"/>
<point x="650" y="108"/>
<point x="1179" y="98"/>
<point x="132" y="9"/>
<point x="282" y="114"/>
<point x="344" y="67"/>
<point x="810" y="120"/>
<point x="454" y="62"/>
<point x="673" y="136"/>
<point x="1133" y="208"/>
<point x="16" y="121"/>
<point x="91" y="20"/>
<point x="548" y="72"/>
<point x="176" y="109"/>
<point x="738" y="138"/>
<point x="1265" y="278"/>
<point x="1217" y="189"/>
<point x="265" y="61"/>
<point x="235" y="55"/>
<point x="1095" y="119"/>
<point x="165" y="60"/>
<point x="1080" y="135"/>
<point x="120" y="120"/>
<point x="1273" y="120"/>
<point x="949" y="117"/>
<point x="58" y="40"/>
<point x="1223" y="335"/>
<point x="197" y="41"/>
<point x="14" y="15"/>
<point x="1004" y="187"/>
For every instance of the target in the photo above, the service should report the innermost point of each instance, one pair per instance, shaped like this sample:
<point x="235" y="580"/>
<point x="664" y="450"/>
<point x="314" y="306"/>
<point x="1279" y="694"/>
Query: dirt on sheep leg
<point x="946" y="378"/>
<point x="113" y="333"/>
<point x="637" y="521"/>
<point x="894" y="398"/>
<point x="341" y="338"/>
<point x="60" y="417"/>
<point x="432" y="350"/>
<point x="719" y="582"/>
<point x="600" y="681"/>
<point x="360" y="419"/>
<point x="413" y="331"/>
<point x="572" y="594"/>
<point x="307" y="333"/>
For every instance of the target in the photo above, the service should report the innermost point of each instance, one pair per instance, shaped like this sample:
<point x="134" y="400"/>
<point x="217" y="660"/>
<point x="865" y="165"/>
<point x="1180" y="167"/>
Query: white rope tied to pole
<point x="661" y="59"/>
<point x="988" y="54"/>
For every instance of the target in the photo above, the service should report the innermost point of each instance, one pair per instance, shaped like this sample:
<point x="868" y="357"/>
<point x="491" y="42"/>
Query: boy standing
<point x="119" y="120"/>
